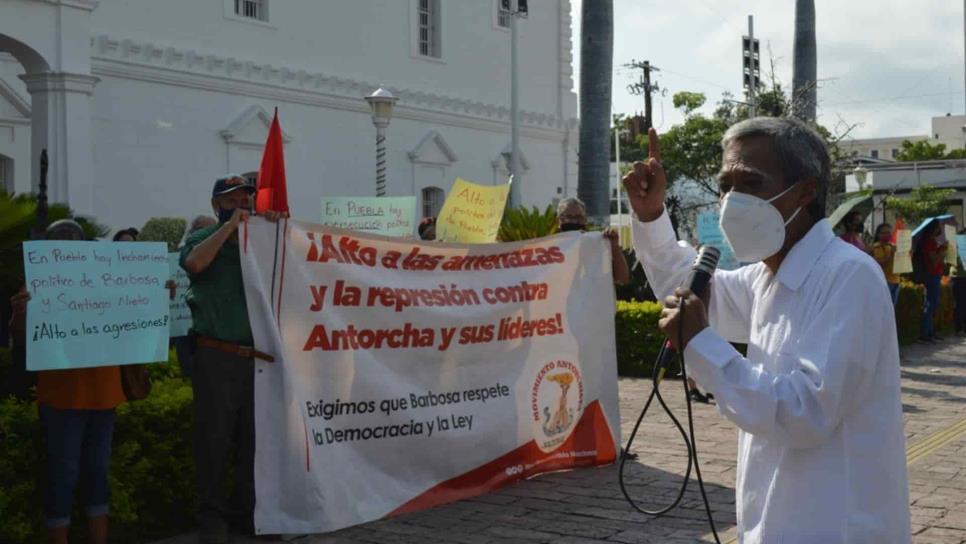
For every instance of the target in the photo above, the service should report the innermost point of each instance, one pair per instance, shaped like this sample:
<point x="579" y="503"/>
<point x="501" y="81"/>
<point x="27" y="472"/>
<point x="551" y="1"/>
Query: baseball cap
<point x="229" y="183"/>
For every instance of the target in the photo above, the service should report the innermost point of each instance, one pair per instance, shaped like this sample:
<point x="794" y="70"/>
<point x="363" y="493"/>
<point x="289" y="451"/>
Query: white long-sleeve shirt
<point x="821" y="447"/>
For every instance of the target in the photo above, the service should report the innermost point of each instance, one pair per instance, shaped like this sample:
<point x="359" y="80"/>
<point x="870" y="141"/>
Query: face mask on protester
<point x="753" y="226"/>
<point x="224" y="215"/>
<point x="569" y="227"/>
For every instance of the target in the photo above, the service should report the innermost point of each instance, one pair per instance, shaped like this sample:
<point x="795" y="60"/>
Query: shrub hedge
<point x="152" y="470"/>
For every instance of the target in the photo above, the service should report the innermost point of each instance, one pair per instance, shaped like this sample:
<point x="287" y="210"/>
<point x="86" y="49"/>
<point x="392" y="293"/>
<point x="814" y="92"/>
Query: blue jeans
<point x="894" y="291"/>
<point x="78" y="442"/>
<point x="931" y="306"/>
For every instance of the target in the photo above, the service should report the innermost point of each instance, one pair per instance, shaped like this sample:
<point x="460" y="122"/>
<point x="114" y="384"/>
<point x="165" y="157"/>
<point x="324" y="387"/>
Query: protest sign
<point x="472" y="213"/>
<point x="96" y="303"/>
<point x="949" y="234"/>
<point x="387" y="215"/>
<point x="180" y="321"/>
<point x="902" y="263"/>
<point x="709" y="234"/>
<point x="961" y="244"/>
<point x="408" y="375"/>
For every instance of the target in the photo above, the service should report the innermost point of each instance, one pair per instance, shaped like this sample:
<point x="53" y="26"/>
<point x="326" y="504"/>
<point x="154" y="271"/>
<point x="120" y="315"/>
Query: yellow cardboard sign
<point x="472" y="213"/>
<point x="902" y="263"/>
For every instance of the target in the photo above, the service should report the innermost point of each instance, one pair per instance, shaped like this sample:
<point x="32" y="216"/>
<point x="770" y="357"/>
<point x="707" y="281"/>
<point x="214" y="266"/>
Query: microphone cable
<point x="690" y="443"/>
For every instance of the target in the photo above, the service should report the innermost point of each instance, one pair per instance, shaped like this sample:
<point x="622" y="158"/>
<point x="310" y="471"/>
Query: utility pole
<point x="751" y="65"/>
<point x="645" y="87"/>
<point x="517" y="9"/>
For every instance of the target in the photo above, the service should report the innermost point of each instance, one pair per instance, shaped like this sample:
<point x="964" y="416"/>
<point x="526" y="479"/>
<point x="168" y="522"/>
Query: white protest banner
<point x="180" y="313"/>
<point x="902" y="263"/>
<point x="95" y="303"/>
<point x="949" y="236"/>
<point x="409" y="375"/>
<point x="387" y="215"/>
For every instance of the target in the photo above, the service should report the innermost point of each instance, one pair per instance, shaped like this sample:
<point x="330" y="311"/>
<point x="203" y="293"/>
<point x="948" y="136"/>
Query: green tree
<point x="921" y="151"/>
<point x="522" y="223"/>
<point x="924" y="201"/>
<point x="163" y="229"/>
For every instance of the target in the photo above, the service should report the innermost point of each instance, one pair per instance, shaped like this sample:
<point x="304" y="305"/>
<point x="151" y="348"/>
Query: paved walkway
<point x="586" y="506"/>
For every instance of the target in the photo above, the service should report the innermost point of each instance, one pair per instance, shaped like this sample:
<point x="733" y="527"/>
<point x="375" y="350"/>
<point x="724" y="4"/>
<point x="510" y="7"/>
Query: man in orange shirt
<point x="77" y="410"/>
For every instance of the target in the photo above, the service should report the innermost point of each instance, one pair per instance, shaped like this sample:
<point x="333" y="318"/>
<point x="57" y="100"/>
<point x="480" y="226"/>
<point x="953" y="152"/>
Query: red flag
<point x="895" y="232"/>
<point x="272" y="194"/>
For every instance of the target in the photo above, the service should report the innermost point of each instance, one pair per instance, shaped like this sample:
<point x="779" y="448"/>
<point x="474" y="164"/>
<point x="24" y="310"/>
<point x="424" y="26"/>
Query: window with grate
<point x="428" y="28"/>
<point x="875" y="154"/>
<point x="6" y="174"/>
<point x="502" y="15"/>
<point x="252" y="9"/>
<point x="432" y="201"/>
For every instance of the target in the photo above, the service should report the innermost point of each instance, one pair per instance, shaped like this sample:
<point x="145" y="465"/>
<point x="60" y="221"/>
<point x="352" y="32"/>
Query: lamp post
<point x="381" y="103"/>
<point x="518" y="9"/>
<point x="618" y="132"/>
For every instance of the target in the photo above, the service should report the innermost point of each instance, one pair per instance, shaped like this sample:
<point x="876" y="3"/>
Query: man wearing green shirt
<point x="223" y="373"/>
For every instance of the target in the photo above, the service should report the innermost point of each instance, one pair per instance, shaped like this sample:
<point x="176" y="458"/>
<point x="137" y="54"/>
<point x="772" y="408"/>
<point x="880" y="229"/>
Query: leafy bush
<point x="525" y="224"/>
<point x="638" y="338"/>
<point x="912" y="296"/>
<point x="152" y="469"/>
<point x="164" y="229"/>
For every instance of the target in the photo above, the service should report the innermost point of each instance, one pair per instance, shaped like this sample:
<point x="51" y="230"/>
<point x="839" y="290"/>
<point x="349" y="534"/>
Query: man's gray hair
<point x="200" y="221"/>
<point x="800" y="150"/>
<point x="562" y="205"/>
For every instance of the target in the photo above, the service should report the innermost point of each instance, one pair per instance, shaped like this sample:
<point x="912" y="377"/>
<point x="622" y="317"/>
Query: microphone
<point x="701" y="272"/>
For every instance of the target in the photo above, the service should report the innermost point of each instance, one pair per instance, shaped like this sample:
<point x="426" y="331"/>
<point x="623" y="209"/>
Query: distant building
<point x="141" y="104"/>
<point x="949" y="130"/>
<point x="898" y="179"/>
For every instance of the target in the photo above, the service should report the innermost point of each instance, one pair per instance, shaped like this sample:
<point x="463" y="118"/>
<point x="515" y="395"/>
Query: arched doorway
<point x="51" y="42"/>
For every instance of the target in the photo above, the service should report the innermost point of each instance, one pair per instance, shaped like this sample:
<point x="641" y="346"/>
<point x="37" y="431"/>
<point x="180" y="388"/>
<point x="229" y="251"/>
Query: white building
<point x="142" y="104"/>
<point x="949" y="130"/>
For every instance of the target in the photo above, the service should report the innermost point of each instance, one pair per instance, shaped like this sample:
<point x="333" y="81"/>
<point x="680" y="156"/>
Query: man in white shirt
<point x="821" y="448"/>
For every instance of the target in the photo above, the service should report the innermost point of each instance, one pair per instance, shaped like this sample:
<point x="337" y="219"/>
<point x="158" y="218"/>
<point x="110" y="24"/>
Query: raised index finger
<point x="653" y="147"/>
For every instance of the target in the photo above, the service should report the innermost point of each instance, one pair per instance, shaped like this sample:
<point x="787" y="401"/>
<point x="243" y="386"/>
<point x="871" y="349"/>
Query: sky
<point x="885" y="67"/>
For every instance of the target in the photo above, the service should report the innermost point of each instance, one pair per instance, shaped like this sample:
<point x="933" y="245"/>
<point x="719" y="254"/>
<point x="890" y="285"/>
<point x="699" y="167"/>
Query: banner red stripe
<point x="592" y="434"/>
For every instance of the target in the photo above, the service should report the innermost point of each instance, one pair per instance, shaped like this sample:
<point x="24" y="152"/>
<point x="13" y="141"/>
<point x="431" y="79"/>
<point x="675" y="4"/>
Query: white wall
<point x="175" y="74"/>
<point x="158" y="151"/>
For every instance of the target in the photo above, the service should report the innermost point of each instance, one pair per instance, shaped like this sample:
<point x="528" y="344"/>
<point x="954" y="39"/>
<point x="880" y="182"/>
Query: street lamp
<point x="381" y="103"/>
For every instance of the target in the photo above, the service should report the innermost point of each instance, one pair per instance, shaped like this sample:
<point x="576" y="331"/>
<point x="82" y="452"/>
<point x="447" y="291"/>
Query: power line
<point x="892" y="98"/>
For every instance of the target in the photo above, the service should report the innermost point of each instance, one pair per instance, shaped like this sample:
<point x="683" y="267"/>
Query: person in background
<point x="77" y="412"/>
<point x="223" y="365"/>
<point x="427" y="229"/>
<point x="126" y="235"/>
<point x="854" y="226"/>
<point x="183" y="345"/>
<point x="931" y="252"/>
<point x="884" y="253"/>
<point x="572" y="216"/>
<point x="959" y="294"/>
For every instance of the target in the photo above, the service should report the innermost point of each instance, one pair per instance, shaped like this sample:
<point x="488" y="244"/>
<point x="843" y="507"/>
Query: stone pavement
<point x="586" y="506"/>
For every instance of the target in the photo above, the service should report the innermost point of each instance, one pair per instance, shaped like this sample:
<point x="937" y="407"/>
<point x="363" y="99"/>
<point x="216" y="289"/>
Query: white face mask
<point x="753" y="227"/>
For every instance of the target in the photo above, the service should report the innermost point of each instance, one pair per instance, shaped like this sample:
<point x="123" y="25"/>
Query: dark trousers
<point x="224" y="427"/>
<point x="959" y="294"/>
<point x="931" y="306"/>
<point x="78" y="445"/>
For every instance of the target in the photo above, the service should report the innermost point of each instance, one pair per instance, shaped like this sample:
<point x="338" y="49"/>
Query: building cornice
<point x="194" y="69"/>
